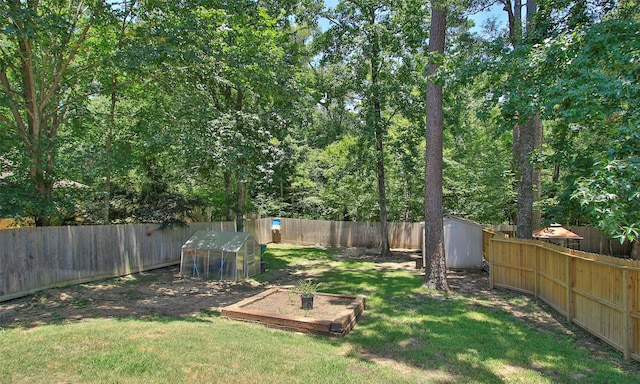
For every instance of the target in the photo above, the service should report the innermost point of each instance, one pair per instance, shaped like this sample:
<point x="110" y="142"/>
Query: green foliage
<point x="306" y="287"/>
<point x="213" y="99"/>
<point x="593" y="95"/>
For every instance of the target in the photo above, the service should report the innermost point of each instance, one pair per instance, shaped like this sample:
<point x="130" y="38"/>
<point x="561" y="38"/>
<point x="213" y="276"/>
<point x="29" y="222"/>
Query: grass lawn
<point x="407" y="335"/>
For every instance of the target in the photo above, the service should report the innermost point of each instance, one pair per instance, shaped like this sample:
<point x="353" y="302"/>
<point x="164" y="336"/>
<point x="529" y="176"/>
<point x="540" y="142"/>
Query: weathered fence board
<point x="339" y="233"/>
<point x="598" y="293"/>
<point x="33" y="259"/>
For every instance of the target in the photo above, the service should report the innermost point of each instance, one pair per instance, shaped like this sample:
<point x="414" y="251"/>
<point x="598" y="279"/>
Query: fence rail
<point x="598" y="293"/>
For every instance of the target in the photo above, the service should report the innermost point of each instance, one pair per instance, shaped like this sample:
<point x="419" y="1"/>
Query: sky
<point x="480" y="18"/>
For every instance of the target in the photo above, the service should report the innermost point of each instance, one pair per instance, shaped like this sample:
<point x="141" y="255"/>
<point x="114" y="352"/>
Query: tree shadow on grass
<point x="453" y="333"/>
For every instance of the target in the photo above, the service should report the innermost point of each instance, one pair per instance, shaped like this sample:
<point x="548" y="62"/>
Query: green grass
<point x="405" y="336"/>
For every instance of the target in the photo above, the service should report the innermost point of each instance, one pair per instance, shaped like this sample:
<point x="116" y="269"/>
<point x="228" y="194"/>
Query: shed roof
<point x="217" y="241"/>
<point x="555" y="231"/>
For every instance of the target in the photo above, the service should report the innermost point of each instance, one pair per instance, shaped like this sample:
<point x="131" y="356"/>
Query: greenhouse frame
<point x="220" y="255"/>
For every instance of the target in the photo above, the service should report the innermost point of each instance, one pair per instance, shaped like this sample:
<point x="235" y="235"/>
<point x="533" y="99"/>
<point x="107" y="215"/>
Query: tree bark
<point x="538" y="136"/>
<point x="523" y="138"/>
<point x="129" y="7"/>
<point x="635" y="249"/>
<point x="228" y="193"/>
<point x="108" y="145"/>
<point x="436" y="270"/>
<point x="240" y="207"/>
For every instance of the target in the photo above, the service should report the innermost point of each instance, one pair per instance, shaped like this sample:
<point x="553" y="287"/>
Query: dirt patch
<point x="329" y="314"/>
<point x="158" y="293"/>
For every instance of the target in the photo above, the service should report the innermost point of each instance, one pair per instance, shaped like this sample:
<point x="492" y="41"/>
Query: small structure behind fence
<point x="594" y="241"/>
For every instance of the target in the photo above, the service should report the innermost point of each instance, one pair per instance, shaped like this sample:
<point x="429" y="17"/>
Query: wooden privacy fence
<point x="32" y="259"/>
<point x="599" y="293"/>
<point x="338" y="233"/>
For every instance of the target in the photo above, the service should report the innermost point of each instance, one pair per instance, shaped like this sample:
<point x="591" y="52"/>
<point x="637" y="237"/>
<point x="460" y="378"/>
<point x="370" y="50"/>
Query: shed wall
<point x="462" y="244"/>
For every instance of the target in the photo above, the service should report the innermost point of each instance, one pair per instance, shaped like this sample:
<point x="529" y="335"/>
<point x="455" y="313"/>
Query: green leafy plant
<point x="306" y="287"/>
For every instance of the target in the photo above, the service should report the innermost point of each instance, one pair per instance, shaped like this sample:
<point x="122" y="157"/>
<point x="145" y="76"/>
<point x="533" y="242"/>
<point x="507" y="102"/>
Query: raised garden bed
<point x="280" y="308"/>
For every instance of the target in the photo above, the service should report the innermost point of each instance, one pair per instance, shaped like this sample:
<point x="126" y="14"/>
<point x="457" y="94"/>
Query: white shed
<point x="462" y="243"/>
<point x="220" y="255"/>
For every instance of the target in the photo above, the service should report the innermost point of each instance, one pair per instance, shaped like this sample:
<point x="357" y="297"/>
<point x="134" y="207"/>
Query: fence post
<point x="536" y="275"/>
<point x="491" y="263"/>
<point x="627" y="294"/>
<point x="569" y="273"/>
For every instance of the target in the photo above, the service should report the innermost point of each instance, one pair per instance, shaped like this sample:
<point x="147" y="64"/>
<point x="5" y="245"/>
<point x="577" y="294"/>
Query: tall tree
<point x="357" y="28"/>
<point x="236" y="66"/>
<point x="375" y="40"/>
<point x="126" y="19"/>
<point x="436" y="270"/>
<point x="528" y="127"/>
<point x="42" y="64"/>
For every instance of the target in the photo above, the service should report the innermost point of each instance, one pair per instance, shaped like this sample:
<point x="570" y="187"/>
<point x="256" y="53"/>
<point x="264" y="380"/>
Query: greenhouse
<point x="220" y="255"/>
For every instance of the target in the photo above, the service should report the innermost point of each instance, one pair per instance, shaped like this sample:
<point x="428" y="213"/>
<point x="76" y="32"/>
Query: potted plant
<point x="306" y="289"/>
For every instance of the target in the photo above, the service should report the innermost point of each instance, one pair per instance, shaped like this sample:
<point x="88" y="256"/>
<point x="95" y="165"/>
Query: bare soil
<point x="289" y="304"/>
<point x="165" y="293"/>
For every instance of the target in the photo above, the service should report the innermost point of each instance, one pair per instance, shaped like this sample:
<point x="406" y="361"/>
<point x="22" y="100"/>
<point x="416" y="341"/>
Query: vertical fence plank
<point x="627" y="321"/>
<point x="38" y="258"/>
<point x="569" y="273"/>
<point x="598" y="293"/>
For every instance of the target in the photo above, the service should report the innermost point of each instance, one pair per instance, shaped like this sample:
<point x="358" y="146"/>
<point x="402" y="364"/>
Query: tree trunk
<point x="240" y="206"/>
<point x="537" y="174"/>
<point x="228" y="193"/>
<point x="435" y="268"/>
<point x="34" y="89"/>
<point x="109" y="142"/>
<point x="385" y="250"/>
<point x="635" y="249"/>
<point x="523" y="138"/>
<point x="112" y="116"/>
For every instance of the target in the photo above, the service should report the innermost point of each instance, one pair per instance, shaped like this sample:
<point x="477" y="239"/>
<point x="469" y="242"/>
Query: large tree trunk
<point x="635" y="249"/>
<point x="436" y="270"/>
<point x="538" y="135"/>
<point x="385" y="249"/>
<point x="523" y="138"/>
<point x="526" y="136"/>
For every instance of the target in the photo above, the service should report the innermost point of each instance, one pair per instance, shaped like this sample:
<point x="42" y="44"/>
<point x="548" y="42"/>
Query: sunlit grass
<point x="407" y="335"/>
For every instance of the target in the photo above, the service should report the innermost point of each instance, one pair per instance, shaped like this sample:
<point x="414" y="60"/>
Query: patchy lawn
<point x="160" y="327"/>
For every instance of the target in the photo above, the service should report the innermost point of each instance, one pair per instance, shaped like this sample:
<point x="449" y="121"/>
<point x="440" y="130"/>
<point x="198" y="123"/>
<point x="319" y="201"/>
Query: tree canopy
<point x="161" y="111"/>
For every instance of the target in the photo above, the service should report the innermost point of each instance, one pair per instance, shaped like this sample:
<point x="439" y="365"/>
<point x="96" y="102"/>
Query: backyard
<point x="160" y="327"/>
